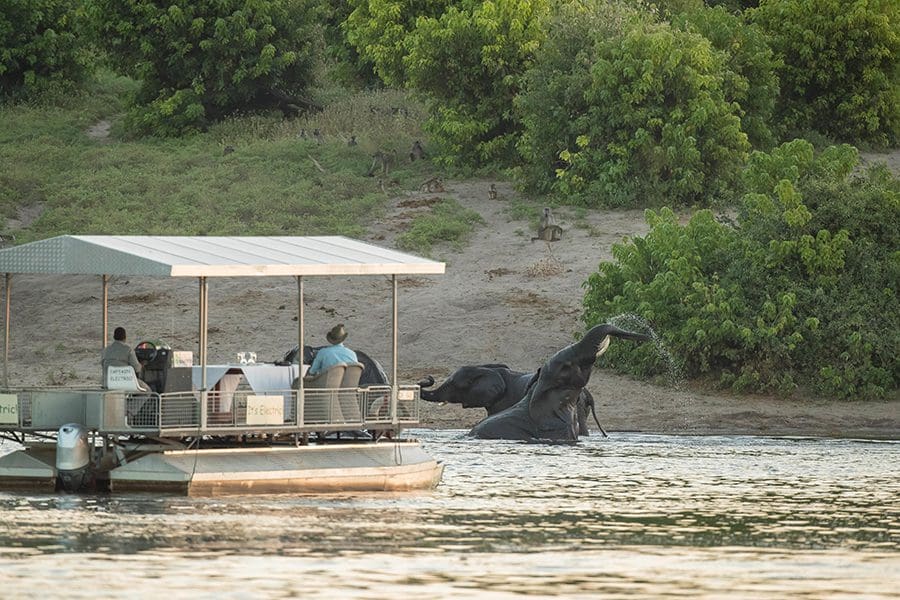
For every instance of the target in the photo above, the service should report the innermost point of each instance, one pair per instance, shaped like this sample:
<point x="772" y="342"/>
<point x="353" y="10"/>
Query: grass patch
<point x="271" y="181"/>
<point x="447" y="221"/>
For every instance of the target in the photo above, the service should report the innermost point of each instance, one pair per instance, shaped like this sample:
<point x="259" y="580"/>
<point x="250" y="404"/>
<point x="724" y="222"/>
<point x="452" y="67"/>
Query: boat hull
<point x="331" y="468"/>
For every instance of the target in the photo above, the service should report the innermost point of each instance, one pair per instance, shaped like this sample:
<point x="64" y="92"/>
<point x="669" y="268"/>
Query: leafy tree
<point x="468" y="63"/>
<point x="378" y="30"/>
<point x="733" y="6"/>
<point x="802" y="291"/>
<point x="841" y="65"/>
<point x="200" y="60"/>
<point x="750" y="77"/>
<point x="346" y="66"/>
<point x="552" y="104"/>
<point x="40" y="47"/>
<point x="643" y="112"/>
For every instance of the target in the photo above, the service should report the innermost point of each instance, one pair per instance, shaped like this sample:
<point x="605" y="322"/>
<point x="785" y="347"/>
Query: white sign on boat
<point x="9" y="409"/>
<point x="265" y="410"/>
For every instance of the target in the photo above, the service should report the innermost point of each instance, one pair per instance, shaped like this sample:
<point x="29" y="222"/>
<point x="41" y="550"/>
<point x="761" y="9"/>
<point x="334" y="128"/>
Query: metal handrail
<point x="178" y="413"/>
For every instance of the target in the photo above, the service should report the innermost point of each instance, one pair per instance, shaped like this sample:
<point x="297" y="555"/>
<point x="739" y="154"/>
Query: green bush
<point x="640" y="117"/>
<point x="733" y="6"/>
<point x="201" y="60"/>
<point x="841" y="65"/>
<point x="40" y="48"/>
<point x="378" y="30"/>
<point x="802" y="292"/>
<point x="345" y="65"/>
<point x="552" y="105"/>
<point x="468" y="63"/>
<point x="750" y="78"/>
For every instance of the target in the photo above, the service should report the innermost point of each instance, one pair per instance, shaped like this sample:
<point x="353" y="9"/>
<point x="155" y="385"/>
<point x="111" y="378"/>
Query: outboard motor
<point x="73" y="457"/>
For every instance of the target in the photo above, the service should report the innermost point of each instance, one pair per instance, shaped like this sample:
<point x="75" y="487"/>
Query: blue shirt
<point x="327" y="357"/>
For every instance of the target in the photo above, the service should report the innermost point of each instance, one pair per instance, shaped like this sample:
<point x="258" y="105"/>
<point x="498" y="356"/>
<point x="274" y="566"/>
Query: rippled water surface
<point x="630" y="516"/>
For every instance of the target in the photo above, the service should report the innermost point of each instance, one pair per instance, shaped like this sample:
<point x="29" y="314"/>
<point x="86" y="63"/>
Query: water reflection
<point x="701" y="514"/>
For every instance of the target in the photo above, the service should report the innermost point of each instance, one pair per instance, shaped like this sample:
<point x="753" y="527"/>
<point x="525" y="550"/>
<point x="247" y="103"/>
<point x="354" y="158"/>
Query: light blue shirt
<point x="327" y="357"/>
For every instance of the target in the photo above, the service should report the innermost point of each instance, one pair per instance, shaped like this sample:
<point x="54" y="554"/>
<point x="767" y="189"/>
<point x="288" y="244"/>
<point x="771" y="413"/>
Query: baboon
<point x="352" y="141"/>
<point x="318" y="135"/>
<point x="302" y="133"/>
<point x="432" y="186"/>
<point x="417" y="151"/>
<point x="382" y="160"/>
<point x="548" y="230"/>
<point x="492" y="193"/>
<point x="228" y="150"/>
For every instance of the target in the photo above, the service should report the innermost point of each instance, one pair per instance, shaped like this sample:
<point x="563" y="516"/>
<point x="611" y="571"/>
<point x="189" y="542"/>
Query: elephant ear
<point x="486" y="387"/>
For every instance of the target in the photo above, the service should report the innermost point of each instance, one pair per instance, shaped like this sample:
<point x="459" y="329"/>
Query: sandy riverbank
<point x="499" y="301"/>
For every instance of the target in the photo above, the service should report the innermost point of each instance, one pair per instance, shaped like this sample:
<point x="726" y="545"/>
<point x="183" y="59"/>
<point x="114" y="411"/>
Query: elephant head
<point x="481" y="386"/>
<point x="548" y="410"/>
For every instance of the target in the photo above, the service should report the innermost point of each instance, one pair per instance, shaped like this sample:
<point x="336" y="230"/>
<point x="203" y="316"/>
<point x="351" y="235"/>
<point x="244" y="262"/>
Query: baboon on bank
<point x="548" y="230"/>
<point x="417" y="152"/>
<point x="383" y="161"/>
<point x="432" y="186"/>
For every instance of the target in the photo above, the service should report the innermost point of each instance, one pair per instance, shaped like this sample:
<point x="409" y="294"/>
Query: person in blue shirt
<point x="335" y="354"/>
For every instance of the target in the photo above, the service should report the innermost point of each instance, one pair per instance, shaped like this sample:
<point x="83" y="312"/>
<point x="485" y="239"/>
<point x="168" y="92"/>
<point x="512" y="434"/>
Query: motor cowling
<point x="73" y="457"/>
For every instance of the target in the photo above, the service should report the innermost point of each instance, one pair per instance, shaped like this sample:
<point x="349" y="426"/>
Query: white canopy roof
<point x="202" y="256"/>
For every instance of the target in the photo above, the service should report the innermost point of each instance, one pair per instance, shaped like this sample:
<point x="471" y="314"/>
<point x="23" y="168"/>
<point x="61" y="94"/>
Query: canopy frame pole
<point x="105" y="300"/>
<point x="7" y="293"/>
<point x="394" y="353"/>
<point x="300" y="353"/>
<point x="204" y="322"/>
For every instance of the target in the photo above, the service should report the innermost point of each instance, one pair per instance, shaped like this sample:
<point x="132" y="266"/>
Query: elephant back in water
<point x="373" y="373"/>
<point x="548" y="409"/>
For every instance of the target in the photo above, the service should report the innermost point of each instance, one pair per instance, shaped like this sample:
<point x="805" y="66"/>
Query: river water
<point x="632" y="516"/>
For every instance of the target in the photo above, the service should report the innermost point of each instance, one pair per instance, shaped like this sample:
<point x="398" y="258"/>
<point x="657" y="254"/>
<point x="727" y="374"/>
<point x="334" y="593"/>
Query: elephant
<point x="496" y="387"/>
<point x="547" y="411"/>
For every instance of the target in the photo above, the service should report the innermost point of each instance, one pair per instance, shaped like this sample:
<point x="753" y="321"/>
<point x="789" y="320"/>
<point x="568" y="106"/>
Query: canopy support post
<point x="394" y="345"/>
<point x="204" y="322"/>
<point x="7" y="293"/>
<point x="298" y="410"/>
<point x="105" y="299"/>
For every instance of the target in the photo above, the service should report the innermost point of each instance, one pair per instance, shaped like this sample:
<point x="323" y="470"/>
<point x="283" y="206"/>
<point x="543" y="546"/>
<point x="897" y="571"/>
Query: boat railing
<point x="238" y="411"/>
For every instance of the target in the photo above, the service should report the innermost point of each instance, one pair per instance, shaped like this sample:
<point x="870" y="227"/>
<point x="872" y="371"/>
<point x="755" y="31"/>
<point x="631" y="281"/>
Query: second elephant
<point x="496" y="387"/>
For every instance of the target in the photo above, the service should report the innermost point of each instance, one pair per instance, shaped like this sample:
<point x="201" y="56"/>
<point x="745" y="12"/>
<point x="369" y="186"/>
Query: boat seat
<point x="322" y="406"/>
<point x="123" y="378"/>
<point x="141" y="403"/>
<point x="348" y="396"/>
<point x="328" y="379"/>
